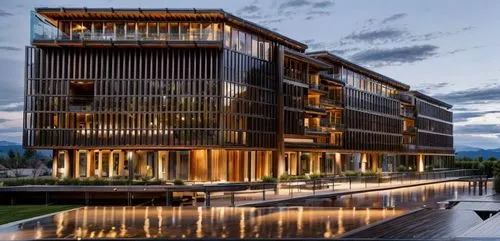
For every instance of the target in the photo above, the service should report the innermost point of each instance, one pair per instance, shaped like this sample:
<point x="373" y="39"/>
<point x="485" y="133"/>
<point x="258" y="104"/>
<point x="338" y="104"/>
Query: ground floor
<point x="220" y="165"/>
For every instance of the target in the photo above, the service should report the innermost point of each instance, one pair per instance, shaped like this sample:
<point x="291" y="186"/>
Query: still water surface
<point x="328" y="218"/>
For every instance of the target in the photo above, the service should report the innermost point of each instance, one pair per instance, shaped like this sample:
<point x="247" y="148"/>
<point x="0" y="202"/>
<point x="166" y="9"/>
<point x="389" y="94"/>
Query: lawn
<point x="11" y="213"/>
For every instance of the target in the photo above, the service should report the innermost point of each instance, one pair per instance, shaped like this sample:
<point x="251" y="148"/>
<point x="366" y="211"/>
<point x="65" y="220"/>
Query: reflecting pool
<point x="407" y="198"/>
<point x="189" y="222"/>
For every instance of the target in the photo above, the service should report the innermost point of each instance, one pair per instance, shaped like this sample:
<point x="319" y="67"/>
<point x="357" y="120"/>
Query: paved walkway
<point x="287" y="195"/>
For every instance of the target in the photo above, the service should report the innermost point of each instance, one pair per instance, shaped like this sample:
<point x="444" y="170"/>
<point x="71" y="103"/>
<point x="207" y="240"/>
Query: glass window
<point x="234" y="39"/>
<point x="76" y="30"/>
<point x="227" y="36"/>
<point x="207" y="31"/>
<point x="130" y="31"/>
<point x="184" y="31"/>
<point x="255" y="46"/>
<point x="216" y="31"/>
<point x="152" y="31"/>
<point x="195" y="31"/>
<point x="249" y="44"/>
<point x="109" y="30"/>
<point x="87" y="29"/>
<point x="163" y="30"/>
<point x="242" y="42"/>
<point x="141" y="30"/>
<point x="266" y="50"/>
<point x="120" y="30"/>
<point x="174" y="31"/>
<point x="97" y="34"/>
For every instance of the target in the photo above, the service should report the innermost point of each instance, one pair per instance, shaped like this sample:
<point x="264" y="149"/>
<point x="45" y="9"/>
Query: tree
<point x="29" y="154"/>
<point x="15" y="162"/>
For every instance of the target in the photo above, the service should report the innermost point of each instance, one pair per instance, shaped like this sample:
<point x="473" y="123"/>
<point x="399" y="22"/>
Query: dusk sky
<point x="447" y="48"/>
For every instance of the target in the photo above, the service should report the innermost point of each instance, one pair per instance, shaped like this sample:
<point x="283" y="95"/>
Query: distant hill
<point x="473" y="152"/>
<point x="5" y="146"/>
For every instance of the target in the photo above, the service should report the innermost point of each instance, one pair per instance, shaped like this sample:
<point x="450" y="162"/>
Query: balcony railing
<point x="193" y="36"/>
<point x="315" y="129"/>
<point x="407" y="113"/>
<point x="410" y="131"/>
<point x="406" y="98"/>
<point x="331" y="101"/>
<point x="330" y="124"/>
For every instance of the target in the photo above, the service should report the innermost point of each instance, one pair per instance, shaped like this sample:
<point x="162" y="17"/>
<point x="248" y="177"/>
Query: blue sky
<point x="447" y="48"/>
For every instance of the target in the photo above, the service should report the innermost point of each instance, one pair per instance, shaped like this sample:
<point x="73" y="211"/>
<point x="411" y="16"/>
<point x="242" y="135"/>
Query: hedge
<point x="78" y="182"/>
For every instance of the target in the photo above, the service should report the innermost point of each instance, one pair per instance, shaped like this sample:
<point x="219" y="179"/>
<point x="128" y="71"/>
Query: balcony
<point x="410" y="131"/>
<point x="407" y="113"/>
<point x="332" y="125"/>
<point x="330" y="102"/>
<point x="316" y="130"/>
<point x="406" y="98"/>
<point x="315" y="107"/>
<point x="61" y="37"/>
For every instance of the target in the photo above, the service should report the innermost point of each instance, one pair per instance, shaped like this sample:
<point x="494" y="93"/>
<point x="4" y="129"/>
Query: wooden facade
<point x="207" y="96"/>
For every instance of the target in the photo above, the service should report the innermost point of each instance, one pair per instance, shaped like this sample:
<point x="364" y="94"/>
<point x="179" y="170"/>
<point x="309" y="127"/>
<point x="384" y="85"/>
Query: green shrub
<point x="496" y="184"/>
<point x="285" y="177"/>
<point x="268" y="179"/>
<point x="370" y="174"/>
<point x="402" y="168"/>
<point x="351" y="174"/>
<point x="178" y="182"/>
<point x="314" y="176"/>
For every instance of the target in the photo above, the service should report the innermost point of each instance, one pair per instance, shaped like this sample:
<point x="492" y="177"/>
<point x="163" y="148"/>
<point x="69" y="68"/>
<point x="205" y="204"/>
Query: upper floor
<point x="153" y="27"/>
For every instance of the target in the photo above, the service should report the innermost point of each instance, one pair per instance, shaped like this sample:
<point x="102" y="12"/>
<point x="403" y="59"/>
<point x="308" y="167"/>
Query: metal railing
<point x="88" y="36"/>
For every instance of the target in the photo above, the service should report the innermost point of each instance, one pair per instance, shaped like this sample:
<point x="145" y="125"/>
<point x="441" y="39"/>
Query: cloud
<point x="483" y="95"/>
<point x="478" y="129"/>
<point x="10" y="48"/>
<point x="15" y="106"/>
<point x="343" y="51"/>
<point x="398" y="55"/>
<point x="3" y="13"/>
<point x="323" y="4"/>
<point x="464" y="116"/>
<point x="439" y="34"/>
<point x="394" y="18"/>
<point x="294" y="4"/>
<point x="429" y="87"/>
<point x="249" y="9"/>
<point x="376" y="36"/>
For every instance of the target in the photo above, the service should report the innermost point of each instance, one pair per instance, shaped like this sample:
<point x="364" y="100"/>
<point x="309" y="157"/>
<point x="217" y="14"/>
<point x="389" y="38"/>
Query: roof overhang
<point x="430" y="99"/>
<point x="165" y="14"/>
<point x="327" y="56"/>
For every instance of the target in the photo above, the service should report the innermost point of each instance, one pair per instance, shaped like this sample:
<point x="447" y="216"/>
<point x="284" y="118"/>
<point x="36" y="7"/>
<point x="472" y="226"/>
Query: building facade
<point x="203" y="95"/>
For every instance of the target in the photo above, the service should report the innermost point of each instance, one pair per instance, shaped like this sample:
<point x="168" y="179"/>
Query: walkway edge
<point x="339" y="193"/>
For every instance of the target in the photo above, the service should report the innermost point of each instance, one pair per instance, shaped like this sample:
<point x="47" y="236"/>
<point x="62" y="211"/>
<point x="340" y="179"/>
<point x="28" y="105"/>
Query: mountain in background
<point x="474" y="152"/>
<point x="5" y="146"/>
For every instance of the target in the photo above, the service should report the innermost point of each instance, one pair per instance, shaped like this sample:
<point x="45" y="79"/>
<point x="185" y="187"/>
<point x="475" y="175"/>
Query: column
<point x="55" y="155"/>
<point x="338" y="163"/>
<point x="161" y="154"/>
<point x="363" y="162"/>
<point x="299" y="163"/>
<point x="111" y="162"/>
<point x="121" y="160"/>
<point x="375" y="162"/>
<point x="76" y="161"/>
<point x="209" y="164"/>
<point x="280" y="115"/>
<point x="99" y="167"/>
<point x="66" y="164"/>
<point x="420" y="163"/>
<point x="90" y="163"/>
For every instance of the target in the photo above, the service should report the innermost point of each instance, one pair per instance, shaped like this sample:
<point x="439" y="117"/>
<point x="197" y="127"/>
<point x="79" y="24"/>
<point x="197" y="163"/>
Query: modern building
<point x="204" y="95"/>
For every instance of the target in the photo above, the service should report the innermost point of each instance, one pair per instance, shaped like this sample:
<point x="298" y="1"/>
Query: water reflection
<point x="407" y="198"/>
<point x="188" y="222"/>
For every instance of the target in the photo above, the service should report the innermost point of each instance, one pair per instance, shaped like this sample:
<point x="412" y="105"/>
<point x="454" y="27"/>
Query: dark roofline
<point x="226" y="16"/>
<point x="431" y="99"/>
<point x="307" y="58"/>
<point x="359" y="68"/>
